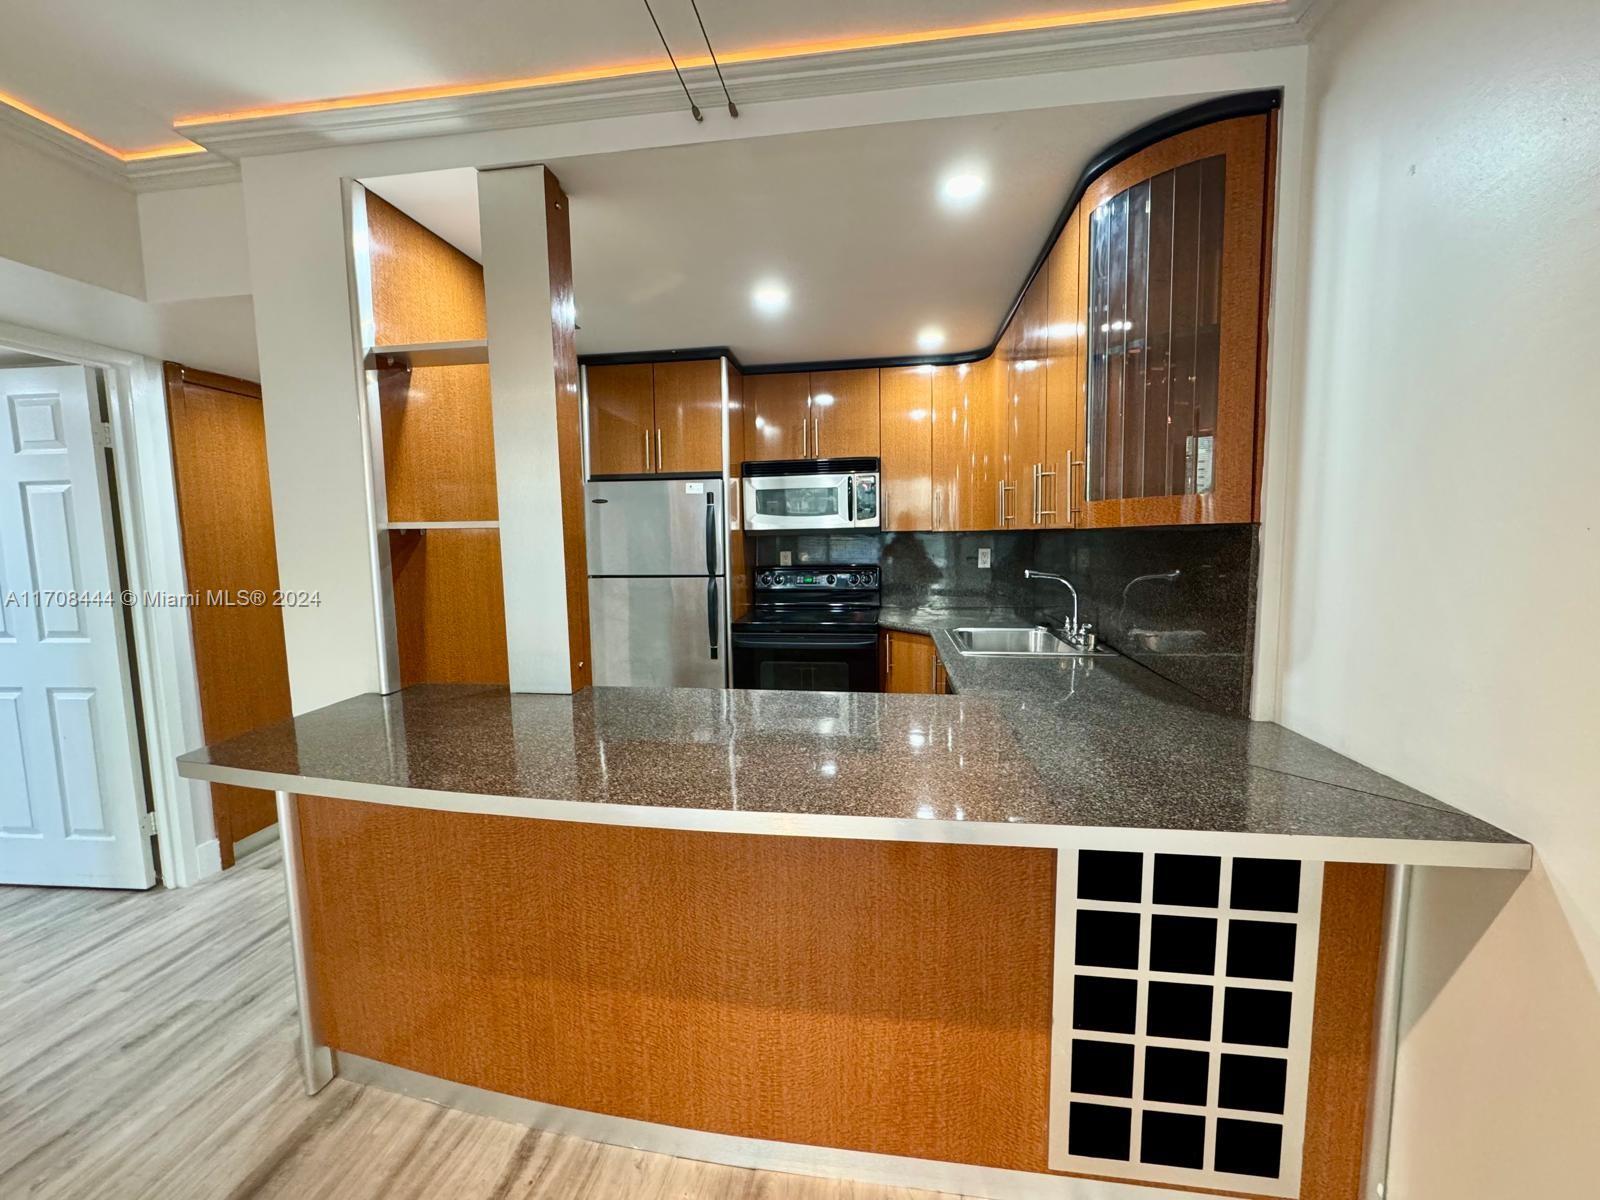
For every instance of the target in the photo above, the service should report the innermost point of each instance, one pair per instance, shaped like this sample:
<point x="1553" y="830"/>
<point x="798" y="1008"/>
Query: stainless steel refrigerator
<point x="658" y="599"/>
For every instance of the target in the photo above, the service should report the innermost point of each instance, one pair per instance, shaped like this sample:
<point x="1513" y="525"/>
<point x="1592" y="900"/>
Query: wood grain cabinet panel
<point x="423" y="288"/>
<point x="219" y="460"/>
<point x="438" y="444"/>
<point x="688" y="404"/>
<point x="907" y="485"/>
<point x="621" y="419"/>
<point x="1025" y="408"/>
<point x="778" y="415"/>
<point x="968" y="444"/>
<point x="845" y="414"/>
<point x="908" y="663"/>
<point x="449" y="605"/>
<point x="1064" y="325"/>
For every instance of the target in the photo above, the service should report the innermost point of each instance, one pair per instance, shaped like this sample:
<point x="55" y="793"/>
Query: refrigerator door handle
<point x="713" y="617"/>
<point x="711" y="533"/>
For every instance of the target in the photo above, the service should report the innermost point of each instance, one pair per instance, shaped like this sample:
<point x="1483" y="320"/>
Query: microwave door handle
<point x="850" y="498"/>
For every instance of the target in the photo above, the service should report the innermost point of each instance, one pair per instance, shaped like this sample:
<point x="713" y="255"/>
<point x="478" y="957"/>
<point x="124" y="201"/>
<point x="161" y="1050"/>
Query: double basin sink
<point x="1017" y="642"/>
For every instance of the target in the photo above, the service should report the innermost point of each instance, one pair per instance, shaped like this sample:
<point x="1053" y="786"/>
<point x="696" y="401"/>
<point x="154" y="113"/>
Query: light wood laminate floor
<point x="147" y="1050"/>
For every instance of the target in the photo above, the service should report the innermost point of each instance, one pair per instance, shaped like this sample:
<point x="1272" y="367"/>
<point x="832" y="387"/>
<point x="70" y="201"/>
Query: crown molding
<point x="29" y="131"/>
<point x="957" y="60"/>
<point x="180" y="171"/>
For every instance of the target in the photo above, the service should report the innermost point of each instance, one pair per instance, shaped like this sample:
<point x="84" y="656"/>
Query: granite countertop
<point x="1025" y="752"/>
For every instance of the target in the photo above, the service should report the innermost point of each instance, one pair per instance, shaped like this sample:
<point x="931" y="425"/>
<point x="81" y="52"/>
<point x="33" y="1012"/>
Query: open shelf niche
<point x="428" y="390"/>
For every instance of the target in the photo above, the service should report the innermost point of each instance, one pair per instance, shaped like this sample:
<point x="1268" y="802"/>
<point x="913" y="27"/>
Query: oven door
<point x="806" y="662"/>
<point x="797" y="503"/>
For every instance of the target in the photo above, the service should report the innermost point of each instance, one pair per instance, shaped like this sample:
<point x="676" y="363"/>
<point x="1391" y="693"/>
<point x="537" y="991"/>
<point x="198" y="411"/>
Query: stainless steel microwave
<point x="810" y="495"/>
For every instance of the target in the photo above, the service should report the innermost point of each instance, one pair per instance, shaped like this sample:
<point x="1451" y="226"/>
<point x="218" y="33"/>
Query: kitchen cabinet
<point x="777" y="416"/>
<point x="969" y="440"/>
<point x="906" y="484"/>
<point x="655" y="418"/>
<point x="622" y="419"/>
<point x="1171" y="251"/>
<point x="1023" y="352"/>
<point x="844" y="414"/>
<point x="909" y="663"/>
<point x="1064" y="339"/>
<point x="820" y="414"/>
<point x="688" y="402"/>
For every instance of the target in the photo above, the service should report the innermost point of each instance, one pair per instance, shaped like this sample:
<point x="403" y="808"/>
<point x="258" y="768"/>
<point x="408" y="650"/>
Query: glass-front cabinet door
<point x="1172" y="245"/>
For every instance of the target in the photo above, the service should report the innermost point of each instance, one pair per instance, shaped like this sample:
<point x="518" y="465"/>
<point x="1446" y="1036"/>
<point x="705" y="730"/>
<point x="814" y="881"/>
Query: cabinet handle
<point x="803" y="422"/>
<point x="1073" y="512"/>
<point x="933" y="672"/>
<point x="1043" y="511"/>
<point x="1004" y="488"/>
<point x="816" y="437"/>
<point x="658" y="447"/>
<point x="646" y="449"/>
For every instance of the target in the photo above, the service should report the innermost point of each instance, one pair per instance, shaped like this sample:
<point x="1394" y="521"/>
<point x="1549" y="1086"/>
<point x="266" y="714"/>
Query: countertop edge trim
<point x="1319" y="847"/>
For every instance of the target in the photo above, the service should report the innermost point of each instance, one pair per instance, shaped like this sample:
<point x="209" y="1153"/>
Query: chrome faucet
<point x="1075" y="632"/>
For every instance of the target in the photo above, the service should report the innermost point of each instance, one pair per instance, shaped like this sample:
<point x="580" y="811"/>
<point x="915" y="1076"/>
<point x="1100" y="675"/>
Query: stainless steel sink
<point x="1037" y="642"/>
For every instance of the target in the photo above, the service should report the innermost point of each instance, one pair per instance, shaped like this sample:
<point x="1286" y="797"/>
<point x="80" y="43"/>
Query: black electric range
<point x="812" y="629"/>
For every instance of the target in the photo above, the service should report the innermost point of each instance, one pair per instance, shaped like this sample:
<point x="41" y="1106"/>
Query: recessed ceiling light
<point x="930" y="337"/>
<point x="963" y="187"/>
<point x="770" y="297"/>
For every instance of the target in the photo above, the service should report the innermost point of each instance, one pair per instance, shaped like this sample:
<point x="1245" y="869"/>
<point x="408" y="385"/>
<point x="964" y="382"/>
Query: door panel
<point x="69" y="758"/>
<point x="219" y="458"/>
<point x="657" y="632"/>
<point x="844" y="414"/>
<point x="654" y="527"/>
<point x="1063" y="379"/>
<point x="621" y="419"/>
<point x="1025" y="397"/>
<point x="968" y="444"/>
<point x="779" y="416"/>
<point x="909" y="663"/>
<point x="907" y="467"/>
<point x="689" y="415"/>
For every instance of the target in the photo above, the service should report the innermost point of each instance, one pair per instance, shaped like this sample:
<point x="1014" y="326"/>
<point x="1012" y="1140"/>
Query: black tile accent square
<point x="1248" y="1147"/>
<point x="1176" y="1076"/>
<point x="1266" y="885"/>
<point x="1104" y="1004"/>
<point x="1102" y="1068"/>
<point x="1259" y="950"/>
<point x="1251" y="1017"/>
<point x="1179" y="1010"/>
<point x="1187" y="945"/>
<point x="1191" y="880"/>
<point x="1110" y="875"/>
<point x="1099" y="1131"/>
<point x="1173" y="1140"/>
<point x="1249" y="1081"/>
<point x="1106" y="939"/>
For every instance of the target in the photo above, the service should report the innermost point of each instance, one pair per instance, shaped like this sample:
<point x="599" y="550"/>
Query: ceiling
<point x="667" y="244"/>
<point x="124" y="73"/>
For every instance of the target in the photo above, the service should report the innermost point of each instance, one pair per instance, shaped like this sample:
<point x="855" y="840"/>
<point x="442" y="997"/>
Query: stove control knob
<point x="764" y="579"/>
<point x="829" y="581"/>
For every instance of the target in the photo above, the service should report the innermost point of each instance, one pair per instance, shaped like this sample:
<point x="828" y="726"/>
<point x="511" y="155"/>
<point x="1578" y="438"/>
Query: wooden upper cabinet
<point x="968" y="444"/>
<point x="906" y="487"/>
<point x="1064" y="338"/>
<point x="1171" y="245"/>
<point x="621" y="419"/>
<point x="844" y="414"/>
<point x="689" y="416"/>
<point x="1025" y="346"/>
<point x="777" y="416"/>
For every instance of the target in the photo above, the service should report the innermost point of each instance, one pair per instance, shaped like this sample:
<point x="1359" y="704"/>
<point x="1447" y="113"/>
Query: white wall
<point x="65" y="219"/>
<point x="193" y="241"/>
<point x="1444" y="571"/>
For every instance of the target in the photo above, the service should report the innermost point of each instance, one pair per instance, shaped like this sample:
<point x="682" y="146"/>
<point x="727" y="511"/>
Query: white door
<point x="71" y="790"/>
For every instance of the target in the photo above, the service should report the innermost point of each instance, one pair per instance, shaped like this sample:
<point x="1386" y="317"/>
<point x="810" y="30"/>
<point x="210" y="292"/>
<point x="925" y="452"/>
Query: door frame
<point x="146" y="496"/>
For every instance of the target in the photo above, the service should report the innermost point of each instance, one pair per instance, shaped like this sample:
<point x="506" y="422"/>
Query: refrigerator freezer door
<point x="658" y="632"/>
<point x="655" y="527"/>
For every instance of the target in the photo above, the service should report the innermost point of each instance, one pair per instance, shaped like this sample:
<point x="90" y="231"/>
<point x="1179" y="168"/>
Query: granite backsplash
<point x="1180" y="600"/>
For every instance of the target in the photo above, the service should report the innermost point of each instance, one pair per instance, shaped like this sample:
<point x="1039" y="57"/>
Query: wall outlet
<point x="785" y="558"/>
<point x="983" y="558"/>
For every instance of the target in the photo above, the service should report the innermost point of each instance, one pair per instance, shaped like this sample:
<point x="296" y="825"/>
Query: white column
<point x="527" y="287"/>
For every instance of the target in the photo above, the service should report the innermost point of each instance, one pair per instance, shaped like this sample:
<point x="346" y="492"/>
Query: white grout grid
<point x="1184" y="987"/>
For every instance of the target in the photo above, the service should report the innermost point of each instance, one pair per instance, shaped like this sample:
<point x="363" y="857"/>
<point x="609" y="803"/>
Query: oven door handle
<point x="787" y="641"/>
